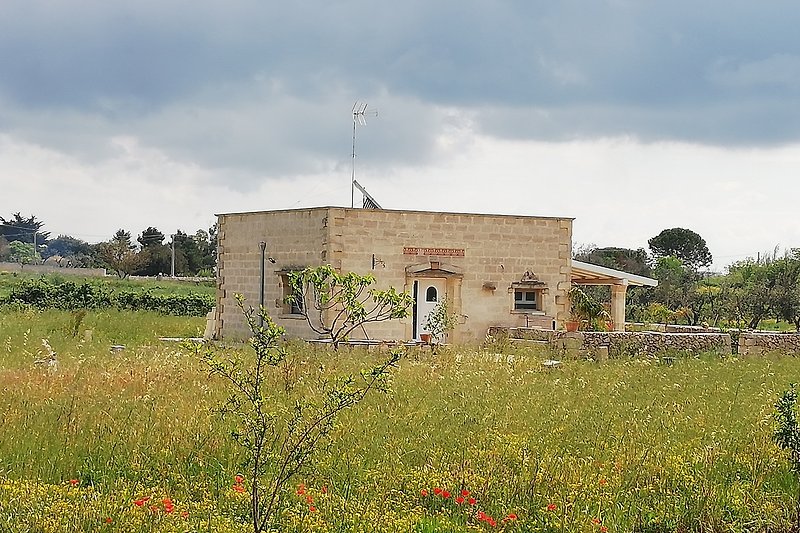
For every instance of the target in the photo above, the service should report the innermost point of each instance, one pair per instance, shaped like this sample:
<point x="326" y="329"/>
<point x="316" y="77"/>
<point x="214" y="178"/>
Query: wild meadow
<point x="479" y="438"/>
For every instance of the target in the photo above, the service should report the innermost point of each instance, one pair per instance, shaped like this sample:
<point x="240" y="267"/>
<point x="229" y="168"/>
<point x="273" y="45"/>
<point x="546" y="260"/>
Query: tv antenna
<point x="360" y="114"/>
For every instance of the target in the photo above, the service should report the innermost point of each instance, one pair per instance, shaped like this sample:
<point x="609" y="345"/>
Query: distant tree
<point x="19" y="228"/>
<point x="748" y="292"/>
<point x="151" y="237"/>
<point x="685" y="293"/>
<point x="5" y="249"/>
<point x="119" y="254"/>
<point x="194" y="253"/>
<point x="154" y="260"/>
<point x="784" y="278"/>
<point x="682" y="243"/>
<point x="207" y="247"/>
<point x="23" y="252"/>
<point x="76" y="251"/>
<point x="625" y="259"/>
<point x="154" y="257"/>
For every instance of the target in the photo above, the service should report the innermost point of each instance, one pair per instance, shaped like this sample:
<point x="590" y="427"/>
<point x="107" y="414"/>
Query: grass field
<point x="630" y="445"/>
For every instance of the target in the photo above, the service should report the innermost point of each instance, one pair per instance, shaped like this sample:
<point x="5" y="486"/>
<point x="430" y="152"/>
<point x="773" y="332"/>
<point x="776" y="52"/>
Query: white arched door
<point x="430" y="291"/>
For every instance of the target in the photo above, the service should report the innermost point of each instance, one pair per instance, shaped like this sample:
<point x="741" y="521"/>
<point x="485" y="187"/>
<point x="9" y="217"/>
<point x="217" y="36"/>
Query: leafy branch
<point x="334" y="304"/>
<point x="281" y="428"/>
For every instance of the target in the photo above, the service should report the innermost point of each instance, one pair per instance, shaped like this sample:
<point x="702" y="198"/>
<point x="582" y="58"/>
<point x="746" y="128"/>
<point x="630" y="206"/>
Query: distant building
<point x="495" y="270"/>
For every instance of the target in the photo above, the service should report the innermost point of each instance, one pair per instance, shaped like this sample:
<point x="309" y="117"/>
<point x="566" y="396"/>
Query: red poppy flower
<point x="472" y="501"/>
<point x="108" y="520"/>
<point x="465" y="493"/>
<point x="74" y="482"/>
<point x="437" y="491"/>
<point x="239" y="488"/>
<point x="445" y="494"/>
<point x="138" y="503"/>
<point x="551" y="507"/>
<point x="510" y="517"/>
<point x="596" y="521"/>
<point x="324" y="489"/>
<point x="424" y="492"/>
<point x="603" y="529"/>
<point x="301" y="489"/>
<point x="603" y="482"/>
<point x="309" y="499"/>
<point x="185" y="514"/>
<point x="239" y="479"/>
<point x="312" y="508"/>
<point x="460" y="500"/>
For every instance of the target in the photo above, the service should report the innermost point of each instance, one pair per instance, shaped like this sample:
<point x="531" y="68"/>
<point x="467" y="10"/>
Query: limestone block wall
<point x="295" y="239"/>
<point x="480" y="256"/>
<point x="487" y="250"/>
<point x="761" y="343"/>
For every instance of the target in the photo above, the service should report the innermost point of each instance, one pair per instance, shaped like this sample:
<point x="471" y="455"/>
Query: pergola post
<point x="618" y="292"/>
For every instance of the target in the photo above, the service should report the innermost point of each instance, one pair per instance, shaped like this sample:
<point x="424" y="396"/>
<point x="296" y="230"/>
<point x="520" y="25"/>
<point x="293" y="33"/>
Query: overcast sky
<point x="631" y="116"/>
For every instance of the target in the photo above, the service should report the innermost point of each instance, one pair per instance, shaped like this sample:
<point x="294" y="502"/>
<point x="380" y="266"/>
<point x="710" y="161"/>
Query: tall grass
<point x="630" y="445"/>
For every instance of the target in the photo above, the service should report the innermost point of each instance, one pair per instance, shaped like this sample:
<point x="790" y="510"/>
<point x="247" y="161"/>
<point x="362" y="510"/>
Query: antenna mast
<point x="359" y="118"/>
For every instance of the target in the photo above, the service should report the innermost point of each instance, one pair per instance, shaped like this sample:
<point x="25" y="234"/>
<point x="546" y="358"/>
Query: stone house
<point x="494" y="270"/>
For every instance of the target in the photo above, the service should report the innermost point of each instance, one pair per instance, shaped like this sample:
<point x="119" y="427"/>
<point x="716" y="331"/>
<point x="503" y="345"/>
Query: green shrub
<point x="44" y="293"/>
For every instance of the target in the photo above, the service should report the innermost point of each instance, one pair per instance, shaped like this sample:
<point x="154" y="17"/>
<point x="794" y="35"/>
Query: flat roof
<point x="589" y="274"/>
<point x="391" y="211"/>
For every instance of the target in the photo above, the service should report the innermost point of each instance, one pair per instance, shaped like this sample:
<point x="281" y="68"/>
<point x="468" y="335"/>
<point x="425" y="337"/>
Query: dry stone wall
<point x="52" y="269"/>
<point x="622" y="344"/>
<point x="760" y="343"/>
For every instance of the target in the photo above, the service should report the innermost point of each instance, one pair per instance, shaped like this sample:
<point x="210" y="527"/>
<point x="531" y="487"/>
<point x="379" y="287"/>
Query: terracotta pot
<point x="425" y="337"/>
<point x="572" y="325"/>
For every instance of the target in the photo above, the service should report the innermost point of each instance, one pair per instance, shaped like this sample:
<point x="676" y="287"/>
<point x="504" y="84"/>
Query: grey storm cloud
<point x="266" y="87"/>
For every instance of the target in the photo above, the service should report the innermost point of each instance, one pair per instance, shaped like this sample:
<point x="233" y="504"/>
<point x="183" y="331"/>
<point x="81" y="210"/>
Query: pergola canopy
<point x="589" y="274"/>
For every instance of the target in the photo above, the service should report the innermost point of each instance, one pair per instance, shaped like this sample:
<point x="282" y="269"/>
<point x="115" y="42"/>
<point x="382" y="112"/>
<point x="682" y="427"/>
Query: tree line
<point x="23" y="240"/>
<point x="751" y="291"/>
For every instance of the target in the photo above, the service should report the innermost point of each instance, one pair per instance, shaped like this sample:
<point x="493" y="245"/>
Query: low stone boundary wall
<point x="52" y="269"/>
<point x="760" y="343"/>
<point x="653" y="343"/>
<point x="621" y="344"/>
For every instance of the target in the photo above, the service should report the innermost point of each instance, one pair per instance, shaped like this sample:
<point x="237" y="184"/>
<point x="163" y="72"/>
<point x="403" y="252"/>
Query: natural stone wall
<point x="623" y="344"/>
<point x="52" y="269"/>
<point x="652" y="343"/>
<point x="760" y="343"/>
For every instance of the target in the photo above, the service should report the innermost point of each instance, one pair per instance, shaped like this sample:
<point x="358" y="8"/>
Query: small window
<point x="295" y="306"/>
<point x="526" y="300"/>
<point x="431" y="295"/>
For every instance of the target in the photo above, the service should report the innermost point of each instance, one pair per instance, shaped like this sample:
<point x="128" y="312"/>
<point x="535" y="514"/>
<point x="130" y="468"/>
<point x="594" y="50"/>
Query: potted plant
<point x="439" y="323"/>
<point x="585" y="310"/>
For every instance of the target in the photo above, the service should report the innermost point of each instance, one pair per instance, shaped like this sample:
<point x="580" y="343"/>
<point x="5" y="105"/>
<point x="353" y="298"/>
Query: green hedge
<point x="68" y="295"/>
